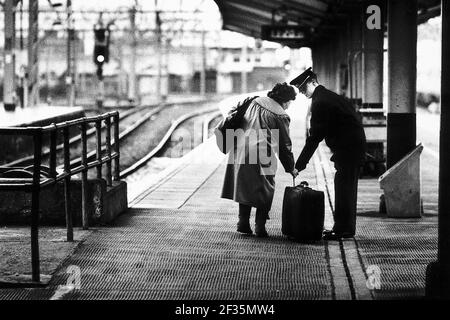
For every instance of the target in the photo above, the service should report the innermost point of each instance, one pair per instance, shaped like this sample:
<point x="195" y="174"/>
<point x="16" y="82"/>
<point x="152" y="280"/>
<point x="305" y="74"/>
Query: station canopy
<point x="308" y="20"/>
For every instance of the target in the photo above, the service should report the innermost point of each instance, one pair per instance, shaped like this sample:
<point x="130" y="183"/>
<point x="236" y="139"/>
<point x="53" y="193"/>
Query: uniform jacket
<point x="250" y="173"/>
<point x="334" y="119"/>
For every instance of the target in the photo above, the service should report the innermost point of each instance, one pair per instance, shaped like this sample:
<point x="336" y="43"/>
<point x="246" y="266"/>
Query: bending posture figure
<point x="250" y="173"/>
<point x="335" y="119"/>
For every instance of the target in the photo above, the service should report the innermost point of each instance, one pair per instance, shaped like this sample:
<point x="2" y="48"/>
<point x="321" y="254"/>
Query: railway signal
<point x="101" y="56"/>
<point x="101" y="49"/>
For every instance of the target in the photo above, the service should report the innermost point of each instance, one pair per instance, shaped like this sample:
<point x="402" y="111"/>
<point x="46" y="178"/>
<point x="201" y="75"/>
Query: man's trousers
<point x="345" y="197"/>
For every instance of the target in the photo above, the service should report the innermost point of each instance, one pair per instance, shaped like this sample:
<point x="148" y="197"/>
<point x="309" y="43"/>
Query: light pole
<point x="159" y="53"/>
<point x="71" y="60"/>
<point x="203" y="68"/>
<point x="132" y="89"/>
<point x="101" y="55"/>
<point x="9" y="57"/>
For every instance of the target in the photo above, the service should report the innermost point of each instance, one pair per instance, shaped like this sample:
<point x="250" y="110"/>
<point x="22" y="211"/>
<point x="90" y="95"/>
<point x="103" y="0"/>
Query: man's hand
<point x="294" y="173"/>
<point x="300" y="167"/>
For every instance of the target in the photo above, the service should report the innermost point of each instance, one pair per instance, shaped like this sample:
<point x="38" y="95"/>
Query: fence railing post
<point x="98" y="132"/>
<point x="52" y="162"/>
<point x="38" y="135"/>
<point x="35" y="268"/>
<point x="84" y="178"/>
<point x="108" y="152"/>
<point x="69" y="223"/>
<point x="116" y="148"/>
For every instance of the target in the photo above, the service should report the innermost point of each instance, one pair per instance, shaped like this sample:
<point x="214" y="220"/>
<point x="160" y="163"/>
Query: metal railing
<point x="35" y="177"/>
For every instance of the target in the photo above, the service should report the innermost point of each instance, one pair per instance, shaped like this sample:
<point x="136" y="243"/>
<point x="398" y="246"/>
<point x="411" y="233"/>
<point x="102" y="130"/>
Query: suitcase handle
<point x="303" y="183"/>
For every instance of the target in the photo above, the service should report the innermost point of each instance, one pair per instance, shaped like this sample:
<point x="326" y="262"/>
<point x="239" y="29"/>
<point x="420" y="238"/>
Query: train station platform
<point x="178" y="240"/>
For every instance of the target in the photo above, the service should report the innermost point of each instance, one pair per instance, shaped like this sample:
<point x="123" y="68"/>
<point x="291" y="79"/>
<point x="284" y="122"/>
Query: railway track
<point x="213" y="113"/>
<point x="27" y="160"/>
<point x="128" y="132"/>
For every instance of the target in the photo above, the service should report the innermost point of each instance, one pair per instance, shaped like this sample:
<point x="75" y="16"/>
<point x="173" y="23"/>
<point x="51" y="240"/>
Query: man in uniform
<point x="335" y="119"/>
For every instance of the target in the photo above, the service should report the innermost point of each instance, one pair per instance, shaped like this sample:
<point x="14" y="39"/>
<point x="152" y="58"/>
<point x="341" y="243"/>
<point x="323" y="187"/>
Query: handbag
<point x="232" y="122"/>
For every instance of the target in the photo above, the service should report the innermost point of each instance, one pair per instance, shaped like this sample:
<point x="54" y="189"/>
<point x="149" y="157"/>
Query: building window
<point x="236" y="58"/>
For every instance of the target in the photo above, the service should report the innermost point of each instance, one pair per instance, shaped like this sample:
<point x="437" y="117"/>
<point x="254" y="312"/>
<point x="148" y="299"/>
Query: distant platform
<point x="14" y="147"/>
<point x="38" y="116"/>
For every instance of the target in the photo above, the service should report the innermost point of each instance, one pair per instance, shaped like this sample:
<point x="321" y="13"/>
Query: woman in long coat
<point x="250" y="173"/>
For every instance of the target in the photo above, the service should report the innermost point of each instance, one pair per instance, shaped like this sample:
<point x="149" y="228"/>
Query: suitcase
<point x="303" y="213"/>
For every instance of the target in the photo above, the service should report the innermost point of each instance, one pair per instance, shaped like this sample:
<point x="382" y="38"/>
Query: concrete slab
<point x="38" y="116"/>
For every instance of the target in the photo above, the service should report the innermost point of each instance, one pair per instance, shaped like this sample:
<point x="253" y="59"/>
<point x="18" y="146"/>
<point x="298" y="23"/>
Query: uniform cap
<point x="302" y="78"/>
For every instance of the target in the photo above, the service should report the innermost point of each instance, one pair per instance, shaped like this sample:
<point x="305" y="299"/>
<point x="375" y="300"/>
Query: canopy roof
<point x="319" y="16"/>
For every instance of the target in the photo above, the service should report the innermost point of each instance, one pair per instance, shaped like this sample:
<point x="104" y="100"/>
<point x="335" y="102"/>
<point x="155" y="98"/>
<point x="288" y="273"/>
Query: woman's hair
<point x="282" y="92"/>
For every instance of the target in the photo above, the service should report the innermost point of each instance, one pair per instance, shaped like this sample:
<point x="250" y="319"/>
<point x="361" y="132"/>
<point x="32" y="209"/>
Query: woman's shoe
<point x="244" y="227"/>
<point x="260" y="231"/>
<point x="260" y="223"/>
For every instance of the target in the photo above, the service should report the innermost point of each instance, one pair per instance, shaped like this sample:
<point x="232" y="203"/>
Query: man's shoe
<point x="332" y="235"/>
<point x="244" y="228"/>
<point x="327" y="232"/>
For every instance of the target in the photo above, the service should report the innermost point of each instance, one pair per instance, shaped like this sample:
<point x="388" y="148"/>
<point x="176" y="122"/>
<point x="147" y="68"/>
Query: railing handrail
<point x="32" y="131"/>
<point x="56" y="126"/>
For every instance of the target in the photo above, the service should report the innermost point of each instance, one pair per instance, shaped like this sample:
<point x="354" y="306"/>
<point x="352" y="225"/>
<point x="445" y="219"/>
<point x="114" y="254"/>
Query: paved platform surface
<point x="178" y="241"/>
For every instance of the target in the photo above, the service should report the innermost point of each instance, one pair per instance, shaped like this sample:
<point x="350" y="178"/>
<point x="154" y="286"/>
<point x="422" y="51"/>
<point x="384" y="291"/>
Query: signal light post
<point x="9" y="58"/>
<point x="101" y="56"/>
<point x="101" y="84"/>
<point x="70" y="77"/>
